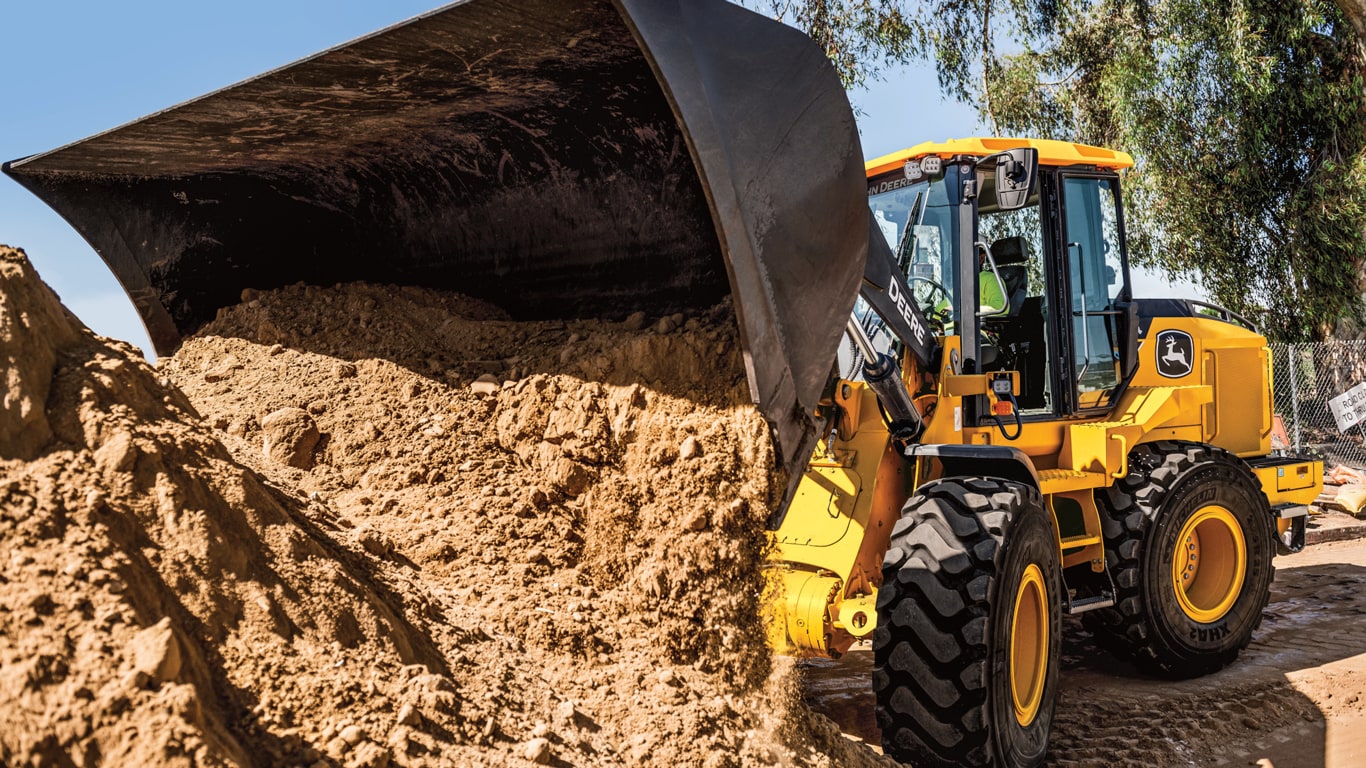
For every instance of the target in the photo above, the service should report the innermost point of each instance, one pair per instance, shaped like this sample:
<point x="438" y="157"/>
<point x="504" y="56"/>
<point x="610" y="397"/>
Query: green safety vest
<point x="988" y="291"/>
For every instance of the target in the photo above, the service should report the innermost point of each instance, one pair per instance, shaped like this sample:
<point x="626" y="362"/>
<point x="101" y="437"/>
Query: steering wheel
<point x="935" y="288"/>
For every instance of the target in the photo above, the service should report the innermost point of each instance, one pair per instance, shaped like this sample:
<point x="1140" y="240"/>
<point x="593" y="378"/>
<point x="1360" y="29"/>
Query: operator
<point x="989" y="293"/>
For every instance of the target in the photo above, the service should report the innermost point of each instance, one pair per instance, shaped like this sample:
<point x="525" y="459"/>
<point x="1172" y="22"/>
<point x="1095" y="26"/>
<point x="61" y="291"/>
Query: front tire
<point x="1189" y="538"/>
<point x="969" y="626"/>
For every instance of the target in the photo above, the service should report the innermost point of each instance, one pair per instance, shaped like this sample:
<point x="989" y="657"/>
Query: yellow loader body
<point x="828" y="551"/>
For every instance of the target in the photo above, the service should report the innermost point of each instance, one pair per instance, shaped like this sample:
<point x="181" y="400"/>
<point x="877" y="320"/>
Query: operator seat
<point x="1020" y="333"/>
<point x="1010" y="254"/>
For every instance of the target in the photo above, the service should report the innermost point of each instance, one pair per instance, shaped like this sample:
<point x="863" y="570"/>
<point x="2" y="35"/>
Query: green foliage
<point x="860" y="36"/>
<point x="1245" y="120"/>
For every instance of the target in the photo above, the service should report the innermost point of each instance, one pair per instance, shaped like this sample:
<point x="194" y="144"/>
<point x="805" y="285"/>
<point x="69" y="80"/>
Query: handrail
<point x="1085" y="331"/>
<point x="996" y="273"/>
<point x="1225" y="314"/>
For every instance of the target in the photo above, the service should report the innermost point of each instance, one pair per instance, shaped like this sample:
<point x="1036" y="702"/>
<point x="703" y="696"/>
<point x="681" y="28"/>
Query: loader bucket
<point x="559" y="159"/>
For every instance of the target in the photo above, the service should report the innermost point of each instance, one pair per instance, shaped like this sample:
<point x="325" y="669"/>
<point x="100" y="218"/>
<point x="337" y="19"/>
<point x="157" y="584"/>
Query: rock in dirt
<point x="634" y="321"/>
<point x="155" y="652"/>
<point x="537" y="751"/>
<point x="375" y="541"/>
<point x="352" y="735"/>
<point x="290" y="435"/>
<point x="118" y="454"/>
<point x="566" y="715"/>
<point x="224" y="369"/>
<point x="408" y="715"/>
<point x="486" y="385"/>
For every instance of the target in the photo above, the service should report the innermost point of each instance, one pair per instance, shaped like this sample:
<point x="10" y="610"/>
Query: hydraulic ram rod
<point x="884" y="377"/>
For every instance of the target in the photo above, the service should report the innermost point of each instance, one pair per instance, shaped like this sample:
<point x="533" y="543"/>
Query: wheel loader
<point x="1070" y="449"/>
<point x="981" y="427"/>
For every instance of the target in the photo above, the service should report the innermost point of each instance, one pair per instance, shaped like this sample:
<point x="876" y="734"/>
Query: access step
<point x="1103" y="600"/>
<point x="1063" y="480"/>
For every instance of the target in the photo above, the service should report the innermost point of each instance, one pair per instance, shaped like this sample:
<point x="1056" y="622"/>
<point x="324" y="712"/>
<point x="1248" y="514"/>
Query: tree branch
<point x="988" y="59"/>
<point x="1355" y="13"/>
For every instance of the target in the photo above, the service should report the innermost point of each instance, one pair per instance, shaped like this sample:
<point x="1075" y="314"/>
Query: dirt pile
<point x="387" y="526"/>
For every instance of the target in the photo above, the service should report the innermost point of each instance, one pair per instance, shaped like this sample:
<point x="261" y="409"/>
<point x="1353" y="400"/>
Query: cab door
<point x="1097" y="289"/>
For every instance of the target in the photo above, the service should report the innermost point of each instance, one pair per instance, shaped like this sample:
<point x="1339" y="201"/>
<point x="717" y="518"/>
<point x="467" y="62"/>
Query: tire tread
<point x="1129" y="511"/>
<point x="931" y="655"/>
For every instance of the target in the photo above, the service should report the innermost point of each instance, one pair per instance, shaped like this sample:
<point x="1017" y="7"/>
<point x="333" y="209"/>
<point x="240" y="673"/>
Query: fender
<point x="1000" y="461"/>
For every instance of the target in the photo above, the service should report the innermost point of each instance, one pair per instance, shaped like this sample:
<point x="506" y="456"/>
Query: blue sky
<point x="75" y="69"/>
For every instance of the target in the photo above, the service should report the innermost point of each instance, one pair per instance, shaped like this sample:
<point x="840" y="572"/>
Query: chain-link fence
<point x="1307" y="377"/>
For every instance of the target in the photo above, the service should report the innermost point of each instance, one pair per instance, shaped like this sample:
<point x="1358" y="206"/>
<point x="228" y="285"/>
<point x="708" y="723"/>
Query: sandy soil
<point x="372" y="526"/>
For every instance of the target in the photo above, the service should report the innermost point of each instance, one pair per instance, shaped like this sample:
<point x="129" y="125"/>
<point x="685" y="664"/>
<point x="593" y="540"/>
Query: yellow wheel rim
<point x="1209" y="564"/>
<point x="1029" y="645"/>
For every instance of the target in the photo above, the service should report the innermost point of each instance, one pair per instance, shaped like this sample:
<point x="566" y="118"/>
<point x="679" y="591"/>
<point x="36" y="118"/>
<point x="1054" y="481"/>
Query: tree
<point x="860" y="36"/>
<point x="1245" y="119"/>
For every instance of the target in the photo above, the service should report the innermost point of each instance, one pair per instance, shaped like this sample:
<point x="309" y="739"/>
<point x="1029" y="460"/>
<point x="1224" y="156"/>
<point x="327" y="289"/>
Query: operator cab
<point x="988" y="268"/>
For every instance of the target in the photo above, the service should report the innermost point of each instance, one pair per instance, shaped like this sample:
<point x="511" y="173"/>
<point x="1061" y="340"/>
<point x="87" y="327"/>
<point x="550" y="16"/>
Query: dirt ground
<point x="1295" y="699"/>
<point x="371" y="526"/>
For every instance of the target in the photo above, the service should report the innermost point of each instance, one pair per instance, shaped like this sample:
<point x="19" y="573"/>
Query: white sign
<point x="1349" y="408"/>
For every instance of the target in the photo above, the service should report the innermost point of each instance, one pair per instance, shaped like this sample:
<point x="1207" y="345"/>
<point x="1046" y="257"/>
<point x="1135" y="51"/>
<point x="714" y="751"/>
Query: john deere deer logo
<point x="1174" y="352"/>
<point x="1174" y="356"/>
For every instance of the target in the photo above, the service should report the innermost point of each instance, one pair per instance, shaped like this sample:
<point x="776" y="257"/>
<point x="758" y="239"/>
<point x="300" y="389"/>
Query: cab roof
<point x="1050" y="153"/>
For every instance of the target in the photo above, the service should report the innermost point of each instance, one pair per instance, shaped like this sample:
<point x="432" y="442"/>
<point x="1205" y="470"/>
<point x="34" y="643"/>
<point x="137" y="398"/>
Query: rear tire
<point x="1189" y="540"/>
<point x="965" y="654"/>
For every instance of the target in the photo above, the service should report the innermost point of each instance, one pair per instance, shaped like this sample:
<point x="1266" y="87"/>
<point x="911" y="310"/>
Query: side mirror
<point x="1016" y="170"/>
